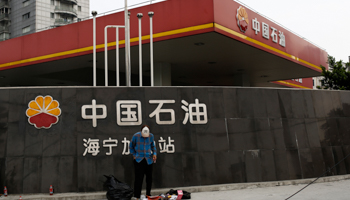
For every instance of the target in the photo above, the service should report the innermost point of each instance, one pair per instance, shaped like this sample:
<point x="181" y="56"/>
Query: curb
<point x="193" y="189"/>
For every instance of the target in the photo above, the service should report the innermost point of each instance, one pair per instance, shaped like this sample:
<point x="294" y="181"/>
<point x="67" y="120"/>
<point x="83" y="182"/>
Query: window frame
<point x="26" y="16"/>
<point x="26" y="29"/>
<point x="26" y="3"/>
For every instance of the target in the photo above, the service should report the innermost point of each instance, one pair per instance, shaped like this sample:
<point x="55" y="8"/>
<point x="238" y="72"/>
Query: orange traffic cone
<point x="51" y="190"/>
<point x="20" y="197"/>
<point x="5" y="191"/>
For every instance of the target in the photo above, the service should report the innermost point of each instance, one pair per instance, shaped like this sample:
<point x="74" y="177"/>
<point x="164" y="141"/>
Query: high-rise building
<point x="21" y="17"/>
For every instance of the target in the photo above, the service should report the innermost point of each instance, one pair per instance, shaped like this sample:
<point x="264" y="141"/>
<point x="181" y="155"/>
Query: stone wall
<point x="252" y="134"/>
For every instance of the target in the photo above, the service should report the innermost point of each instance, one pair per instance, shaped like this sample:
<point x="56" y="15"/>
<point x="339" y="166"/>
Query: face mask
<point x="145" y="132"/>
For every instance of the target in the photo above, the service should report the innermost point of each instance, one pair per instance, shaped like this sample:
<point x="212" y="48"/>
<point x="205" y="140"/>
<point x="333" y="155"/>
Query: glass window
<point x="26" y="16"/>
<point x="26" y="3"/>
<point x="52" y="2"/>
<point x="26" y="29"/>
<point x="79" y="8"/>
<point x="53" y="15"/>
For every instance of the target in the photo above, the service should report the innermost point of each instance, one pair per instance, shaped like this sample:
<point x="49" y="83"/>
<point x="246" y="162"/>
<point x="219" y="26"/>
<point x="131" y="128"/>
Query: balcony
<point x="66" y="10"/>
<point x="4" y="16"/>
<point x="4" y="37"/>
<point x="72" y="1"/>
<point x="4" y="4"/>
<point x="62" y="22"/>
<point x="4" y="29"/>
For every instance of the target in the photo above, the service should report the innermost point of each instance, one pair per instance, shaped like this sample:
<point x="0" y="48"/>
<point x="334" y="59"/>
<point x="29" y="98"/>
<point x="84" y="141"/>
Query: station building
<point x="222" y="109"/>
<point x="200" y="45"/>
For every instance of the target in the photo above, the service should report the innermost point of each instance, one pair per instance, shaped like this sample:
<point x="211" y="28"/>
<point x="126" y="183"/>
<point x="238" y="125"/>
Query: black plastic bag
<point x="186" y="195"/>
<point x="117" y="190"/>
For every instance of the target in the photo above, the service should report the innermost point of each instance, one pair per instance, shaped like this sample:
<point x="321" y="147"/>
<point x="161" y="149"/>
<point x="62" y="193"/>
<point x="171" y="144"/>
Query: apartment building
<point x="21" y="17"/>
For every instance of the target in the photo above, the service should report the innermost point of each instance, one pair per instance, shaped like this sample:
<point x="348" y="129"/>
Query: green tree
<point x="337" y="77"/>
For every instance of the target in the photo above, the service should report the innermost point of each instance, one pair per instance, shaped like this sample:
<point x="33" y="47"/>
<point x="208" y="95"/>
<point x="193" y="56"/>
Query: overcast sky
<point x="323" y="22"/>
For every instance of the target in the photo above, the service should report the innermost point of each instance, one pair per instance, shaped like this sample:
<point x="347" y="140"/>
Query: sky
<point x="322" y="22"/>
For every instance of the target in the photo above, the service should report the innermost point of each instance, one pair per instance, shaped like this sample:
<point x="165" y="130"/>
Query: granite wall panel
<point x="345" y="100"/>
<point x="343" y="125"/>
<point x="238" y="169"/>
<point x="207" y="167"/>
<point x="259" y="103"/>
<point x="252" y="134"/>
<point x="285" y="103"/>
<point x="317" y="162"/>
<point x="337" y="110"/>
<point x="346" y="151"/>
<point x="312" y="133"/>
<point x="32" y="174"/>
<point x="245" y="103"/>
<point x="268" y="167"/>
<point x="277" y="131"/>
<point x="14" y="174"/>
<point x="309" y="106"/>
<point x="230" y="103"/>
<point x="87" y="171"/>
<point x="289" y="136"/>
<point x="338" y="155"/>
<point x="306" y="163"/>
<point x="4" y="112"/>
<point x="329" y="161"/>
<point x="253" y="167"/>
<point x="215" y="108"/>
<point x="2" y="172"/>
<point x="317" y="98"/>
<point x="298" y="106"/>
<point x="295" y="171"/>
<point x="50" y="174"/>
<point x="3" y="142"/>
<point x="272" y="103"/>
<point x="281" y="164"/>
<point x="223" y="165"/>
<point x="68" y="172"/>
<point x="190" y="161"/>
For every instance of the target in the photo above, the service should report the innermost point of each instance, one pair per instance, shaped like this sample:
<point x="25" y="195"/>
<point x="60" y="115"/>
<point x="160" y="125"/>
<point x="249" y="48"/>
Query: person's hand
<point x="154" y="158"/>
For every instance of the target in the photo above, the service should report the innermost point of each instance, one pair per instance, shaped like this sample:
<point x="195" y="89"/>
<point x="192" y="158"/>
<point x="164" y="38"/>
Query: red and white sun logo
<point x="242" y="19"/>
<point x="43" y="112"/>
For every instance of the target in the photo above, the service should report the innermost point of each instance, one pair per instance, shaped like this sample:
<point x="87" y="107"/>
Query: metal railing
<point x="73" y="1"/>
<point x="4" y="3"/>
<point x="63" y="21"/>
<point x="66" y="9"/>
<point x="4" y="16"/>
<point x="4" y="28"/>
<point x="5" y="38"/>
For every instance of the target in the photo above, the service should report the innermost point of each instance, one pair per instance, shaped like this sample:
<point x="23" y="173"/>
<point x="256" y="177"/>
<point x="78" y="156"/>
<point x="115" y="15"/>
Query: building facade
<point x="21" y="17"/>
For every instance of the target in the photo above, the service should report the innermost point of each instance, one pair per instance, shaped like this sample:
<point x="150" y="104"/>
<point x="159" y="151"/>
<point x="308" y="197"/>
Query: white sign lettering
<point x="166" y="148"/>
<point x="110" y="143"/>
<point x="265" y="28"/>
<point x="92" y="146"/>
<point x="256" y="26"/>
<point x="94" y="115"/>
<point x="159" y="110"/>
<point x="129" y="113"/>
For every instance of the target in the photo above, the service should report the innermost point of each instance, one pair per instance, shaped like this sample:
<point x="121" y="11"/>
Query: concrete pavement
<point x="334" y="187"/>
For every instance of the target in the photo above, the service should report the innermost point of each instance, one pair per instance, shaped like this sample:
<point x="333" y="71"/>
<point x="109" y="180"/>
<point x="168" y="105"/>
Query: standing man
<point x="144" y="151"/>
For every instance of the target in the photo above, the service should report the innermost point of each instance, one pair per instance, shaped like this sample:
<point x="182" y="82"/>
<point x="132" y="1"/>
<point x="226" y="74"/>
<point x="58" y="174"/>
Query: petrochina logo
<point x="43" y="112"/>
<point x="242" y="19"/>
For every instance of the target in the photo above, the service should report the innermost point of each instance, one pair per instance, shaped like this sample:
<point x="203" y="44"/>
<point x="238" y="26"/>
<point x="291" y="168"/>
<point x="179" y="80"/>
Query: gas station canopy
<point x="196" y="43"/>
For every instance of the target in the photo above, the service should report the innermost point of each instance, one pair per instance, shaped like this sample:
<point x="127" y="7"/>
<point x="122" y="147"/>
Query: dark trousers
<point x="142" y="169"/>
